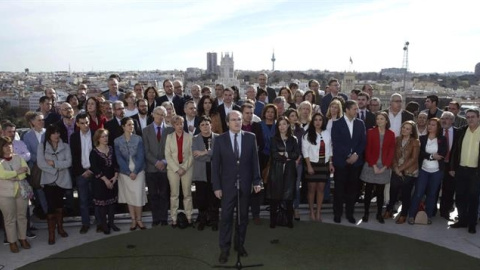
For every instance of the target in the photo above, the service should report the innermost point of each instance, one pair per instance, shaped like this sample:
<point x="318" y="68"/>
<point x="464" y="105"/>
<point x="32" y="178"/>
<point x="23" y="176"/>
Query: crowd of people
<point x="113" y="146"/>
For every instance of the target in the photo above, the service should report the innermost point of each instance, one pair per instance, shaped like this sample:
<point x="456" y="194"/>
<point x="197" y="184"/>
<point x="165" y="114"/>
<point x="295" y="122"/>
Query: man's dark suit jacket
<point x="224" y="164"/>
<point x="344" y="145"/>
<point x="115" y="130"/>
<point x="196" y="124"/>
<point x="327" y="99"/>
<point x="51" y="119"/>
<point x="76" y="149"/>
<point x="272" y="94"/>
<point x="63" y="130"/>
<point x="457" y="150"/>
<point x="406" y="115"/>
<point x="257" y="130"/>
<point x="137" y="118"/>
<point x="223" y="116"/>
<point x="369" y="121"/>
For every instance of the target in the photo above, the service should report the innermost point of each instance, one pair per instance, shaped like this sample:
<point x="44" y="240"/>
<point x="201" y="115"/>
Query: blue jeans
<point x="427" y="183"/>
<point x="84" y="186"/>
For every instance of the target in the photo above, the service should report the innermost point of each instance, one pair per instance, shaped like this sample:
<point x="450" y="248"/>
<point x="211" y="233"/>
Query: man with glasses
<point x="334" y="87"/>
<point x="114" y="126"/>
<point x="396" y="114"/>
<point x="375" y="105"/>
<point x="154" y="137"/>
<point x="454" y="107"/>
<point x="465" y="166"/>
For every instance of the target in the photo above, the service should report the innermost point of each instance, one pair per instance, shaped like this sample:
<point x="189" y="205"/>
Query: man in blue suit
<point x="234" y="157"/>
<point x="348" y="142"/>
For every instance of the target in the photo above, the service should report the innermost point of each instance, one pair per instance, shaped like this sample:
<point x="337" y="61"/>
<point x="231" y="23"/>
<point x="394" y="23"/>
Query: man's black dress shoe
<point x="458" y="225"/>
<point x="242" y="251"/>
<point x="337" y="219"/>
<point x="84" y="229"/>
<point x="114" y="227"/>
<point x="163" y="223"/>
<point x="155" y="223"/>
<point x="351" y="220"/>
<point x="223" y="257"/>
<point x="472" y="229"/>
<point x="365" y="218"/>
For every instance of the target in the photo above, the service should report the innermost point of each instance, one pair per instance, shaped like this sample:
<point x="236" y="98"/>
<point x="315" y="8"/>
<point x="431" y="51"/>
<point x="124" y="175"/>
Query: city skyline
<point x="167" y="35"/>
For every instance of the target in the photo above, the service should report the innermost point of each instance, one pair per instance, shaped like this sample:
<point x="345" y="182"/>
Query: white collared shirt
<point x="39" y="135"/>
<point x="450" y="137"/>
<point x="190" y="123"/>
<point x="395" y="122"/>
<point x="142" y="121"/>
<point x="227" y="109"/>
<point x="239" y="141"/>
<point x="86" y="143"/>
<point x="350" y="125"/>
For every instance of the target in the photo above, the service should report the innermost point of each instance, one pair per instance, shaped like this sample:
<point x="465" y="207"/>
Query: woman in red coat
<point x="379" y="154"/>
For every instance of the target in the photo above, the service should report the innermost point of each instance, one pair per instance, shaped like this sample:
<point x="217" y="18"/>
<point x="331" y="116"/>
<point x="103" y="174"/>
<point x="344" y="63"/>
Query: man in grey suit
<point x="235" y="157"/>
<point x="154" y="138"/>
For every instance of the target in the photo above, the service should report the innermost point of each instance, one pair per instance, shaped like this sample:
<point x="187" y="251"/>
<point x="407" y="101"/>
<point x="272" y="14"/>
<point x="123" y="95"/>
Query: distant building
<point x="212" y="67"/>
<point x="227" y="71"/>
<point x="393" y="72"/>
<point x="477" y="70"/>
<point x="348" y="83"/>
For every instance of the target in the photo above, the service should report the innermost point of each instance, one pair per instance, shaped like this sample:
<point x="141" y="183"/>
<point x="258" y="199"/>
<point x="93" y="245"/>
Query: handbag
<point x="35" y="176"/>
<point x="26" y="190"/>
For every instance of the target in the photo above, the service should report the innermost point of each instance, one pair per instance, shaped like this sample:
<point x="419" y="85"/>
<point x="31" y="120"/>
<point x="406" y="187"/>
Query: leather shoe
<point x="351" y="220"/>
<point x="84" y="229"/>
<point x="163" y="223"/>
<point x="401" y="220"/>
<point x="14" y="248"/>
<point x="365" y="218"/>
<point x="337" y="219"/>
<point x="24" y="244"/>
<point x="472" y="229"/>
<point x="242" y="251"/>
<point x="380" y="218"/>
<point x="388" y="214"/>
<point x="458" y="225"/>
<point x="223" y="257"/>
<point x="99" y="228"/>
<point x="114" y="227"/>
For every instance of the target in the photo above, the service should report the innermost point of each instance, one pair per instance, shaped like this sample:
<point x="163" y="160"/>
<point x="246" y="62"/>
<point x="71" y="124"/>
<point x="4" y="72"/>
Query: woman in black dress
<point x="284" y="152"/>
<point x="105" y="188"/>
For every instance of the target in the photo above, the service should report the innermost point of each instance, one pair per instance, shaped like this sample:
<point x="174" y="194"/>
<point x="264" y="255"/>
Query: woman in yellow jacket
<point x="14" y="195"/>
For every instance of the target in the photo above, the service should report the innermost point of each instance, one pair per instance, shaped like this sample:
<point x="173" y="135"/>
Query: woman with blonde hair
<point x="334" y="112"/>
<point x="170" y="113"/>
<point x="304" y="114"/>
<point x="178" y="153"/>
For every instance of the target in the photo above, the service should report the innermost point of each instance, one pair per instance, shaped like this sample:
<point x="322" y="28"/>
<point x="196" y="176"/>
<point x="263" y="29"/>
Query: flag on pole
<point x="351" y="61"/>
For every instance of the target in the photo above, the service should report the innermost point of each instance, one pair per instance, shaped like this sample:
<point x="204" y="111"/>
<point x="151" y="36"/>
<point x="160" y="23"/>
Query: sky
<point x="102" y="35"/>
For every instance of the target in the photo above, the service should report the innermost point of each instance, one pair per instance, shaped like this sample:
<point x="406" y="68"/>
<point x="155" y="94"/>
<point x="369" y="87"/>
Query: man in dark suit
<point x="81" y="144"/>
<point x="227" y="106"/>
<point x="334" y="88"/>
<point x="363" y="113"/>
<point x="142" y="116"/>
<point x="180" y="98"/>
<point x="154" y="138"/>
<point x="192" y="121"/>
<point x="348" y="142"/>
<point x="454" y="107"/>
<point x="66" y="125"/>
<point x="235" y="159"/>
<point x="49" y="114"/>
<point x="255" y="128"/>
<point x="448" y="183"/>
<point x="465" y="167"/>
<point x="169" y="95"/>
<point x="114" y="126"/>
<point x="219" y="94"/>
<point x="262" y="84"/>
